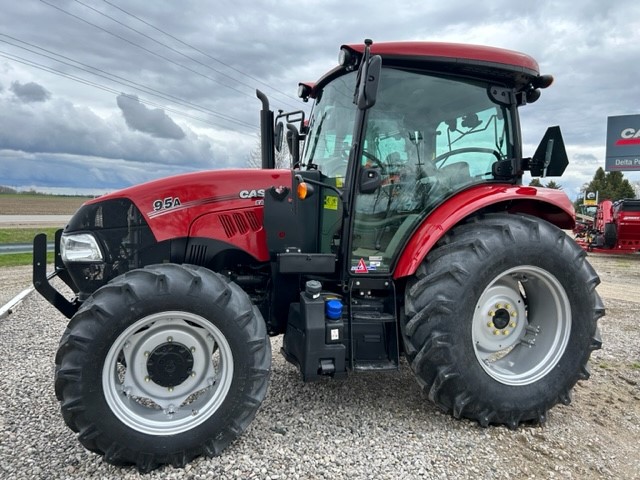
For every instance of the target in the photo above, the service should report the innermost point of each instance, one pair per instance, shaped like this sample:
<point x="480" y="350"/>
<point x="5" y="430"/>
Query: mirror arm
<point x="294" y="148"/>
<point x="320" y="184"/>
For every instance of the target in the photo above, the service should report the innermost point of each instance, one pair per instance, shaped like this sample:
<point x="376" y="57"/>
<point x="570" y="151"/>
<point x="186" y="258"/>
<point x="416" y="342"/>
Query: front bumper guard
<point x="41" y="280"/>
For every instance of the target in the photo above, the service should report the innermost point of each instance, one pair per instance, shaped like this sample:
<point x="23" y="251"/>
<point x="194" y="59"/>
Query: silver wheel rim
<point x="137" y="391"/>
<point x="521" y="325"/>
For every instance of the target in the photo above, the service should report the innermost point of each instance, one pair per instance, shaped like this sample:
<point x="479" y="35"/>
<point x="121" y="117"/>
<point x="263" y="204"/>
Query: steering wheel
<point x="378" y="163"/>
<point x="443" y="157"/>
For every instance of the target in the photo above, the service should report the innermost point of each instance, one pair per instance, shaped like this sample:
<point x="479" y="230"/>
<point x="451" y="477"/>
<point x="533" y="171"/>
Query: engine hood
<point x="170" y="205"/>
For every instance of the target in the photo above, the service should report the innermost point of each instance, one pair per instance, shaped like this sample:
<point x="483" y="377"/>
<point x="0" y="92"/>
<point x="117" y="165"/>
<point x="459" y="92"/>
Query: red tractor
<point x="615" y="228"/>
<point x="403" y="229"/>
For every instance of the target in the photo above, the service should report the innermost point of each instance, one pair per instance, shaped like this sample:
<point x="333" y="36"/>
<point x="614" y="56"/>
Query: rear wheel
<point x="161" y="365"/>
<point x="501" y="319"/>
<point x="610" y="235"/>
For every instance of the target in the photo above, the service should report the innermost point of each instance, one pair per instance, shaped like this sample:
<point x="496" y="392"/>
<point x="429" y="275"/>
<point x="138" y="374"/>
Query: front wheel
<point x="501" y="319"/>
<point x="161" y="365"/>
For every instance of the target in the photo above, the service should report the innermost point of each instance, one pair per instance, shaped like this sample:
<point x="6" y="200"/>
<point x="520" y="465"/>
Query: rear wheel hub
<point x="170" y="364"/>
<point x="501" y="318"/>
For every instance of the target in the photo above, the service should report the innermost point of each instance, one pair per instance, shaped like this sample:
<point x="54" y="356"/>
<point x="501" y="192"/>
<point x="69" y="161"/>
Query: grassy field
<point x="18" y="259"/>
<point x="32" y="204"/>
<point x="37" y="204"/>
<point x="24" y="235"/>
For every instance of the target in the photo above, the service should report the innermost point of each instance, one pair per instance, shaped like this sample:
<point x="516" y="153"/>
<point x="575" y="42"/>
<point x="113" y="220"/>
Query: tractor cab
<point x="396" y="132"/>
<point x="399" y="128"/>
<point x="427" y="137"/>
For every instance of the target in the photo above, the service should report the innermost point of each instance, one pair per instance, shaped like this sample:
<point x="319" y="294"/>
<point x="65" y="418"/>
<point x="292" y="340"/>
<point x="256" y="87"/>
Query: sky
<point x="96" y="95"/>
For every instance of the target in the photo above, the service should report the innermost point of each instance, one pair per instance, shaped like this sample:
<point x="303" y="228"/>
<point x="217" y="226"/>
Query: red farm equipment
<point x="401" y="230"/>
<point x="614" y="228"/>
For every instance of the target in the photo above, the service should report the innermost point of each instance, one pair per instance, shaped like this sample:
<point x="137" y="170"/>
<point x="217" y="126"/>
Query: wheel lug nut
<point x="512" y="324"/>
<point x="514" y="314"/>
<point x="170" y="389"/>
<point x="193" y="349"/>
<point x="146" y="354"/>
<point x="193" y="374"/>
<point x="169" y="339"/>
<point x="496" y="332"/>
<point x="490" y="324"/>
<point x="507" y="306"/>
<point x="147" y="378"/>
<point x="492" y="313"/>
<point x="505" y="332"/>
<point x="498" y="306"/>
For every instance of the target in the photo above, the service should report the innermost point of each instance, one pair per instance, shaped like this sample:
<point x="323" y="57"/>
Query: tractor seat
<point x="455" y="175"/>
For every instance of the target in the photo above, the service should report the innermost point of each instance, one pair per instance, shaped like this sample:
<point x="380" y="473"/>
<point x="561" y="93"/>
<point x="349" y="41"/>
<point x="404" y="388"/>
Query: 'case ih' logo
<point x="629" y="136"/>
<point x="252" y="193"/>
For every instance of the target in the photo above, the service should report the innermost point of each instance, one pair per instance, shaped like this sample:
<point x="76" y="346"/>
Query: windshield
<point x="434" y="125"/>
<point x="331" y="128"/>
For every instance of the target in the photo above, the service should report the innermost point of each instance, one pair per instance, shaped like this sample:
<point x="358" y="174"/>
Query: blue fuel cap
<point x="333" y="309"/>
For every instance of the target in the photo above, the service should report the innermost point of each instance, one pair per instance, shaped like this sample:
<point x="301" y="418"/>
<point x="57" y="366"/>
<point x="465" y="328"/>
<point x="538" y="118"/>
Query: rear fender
<point x="549" y="204"/>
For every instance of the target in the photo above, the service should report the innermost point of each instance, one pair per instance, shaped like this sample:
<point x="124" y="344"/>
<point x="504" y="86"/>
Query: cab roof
<point x="454" y="53"/>
<point x="508" y="67"/>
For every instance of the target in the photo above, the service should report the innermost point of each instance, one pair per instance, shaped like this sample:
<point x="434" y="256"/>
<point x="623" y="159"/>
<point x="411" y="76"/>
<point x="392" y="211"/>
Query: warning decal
<point x="362" y="267"/>
<point x="331" y="202"/>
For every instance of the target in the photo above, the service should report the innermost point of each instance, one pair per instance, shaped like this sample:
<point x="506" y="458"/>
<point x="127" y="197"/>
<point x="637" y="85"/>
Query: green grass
<point x="18" y="259"/>
<point x="25" y="235"/>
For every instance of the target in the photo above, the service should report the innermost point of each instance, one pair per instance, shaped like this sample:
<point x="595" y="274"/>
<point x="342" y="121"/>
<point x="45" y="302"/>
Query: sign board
<point x="590" y="198"/>
<point x="623" y="143"/>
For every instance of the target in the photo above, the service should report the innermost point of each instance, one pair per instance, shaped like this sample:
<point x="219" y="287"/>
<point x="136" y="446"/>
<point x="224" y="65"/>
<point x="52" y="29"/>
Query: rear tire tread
<point x="430" y="303"/>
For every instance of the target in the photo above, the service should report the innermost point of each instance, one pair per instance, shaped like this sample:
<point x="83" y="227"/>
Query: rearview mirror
<point x="368" y="89"/>
<point x="370" y="180"/>
<point x="293" y="142"/>
<point x="550" y="159"/>
<point x="278" y="136"/>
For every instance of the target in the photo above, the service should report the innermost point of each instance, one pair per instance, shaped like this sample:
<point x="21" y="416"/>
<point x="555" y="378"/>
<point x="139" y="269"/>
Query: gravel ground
<point x="367" y="426"/>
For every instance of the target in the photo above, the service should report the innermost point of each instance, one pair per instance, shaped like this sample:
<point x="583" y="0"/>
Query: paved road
<point x="34" y="220"/>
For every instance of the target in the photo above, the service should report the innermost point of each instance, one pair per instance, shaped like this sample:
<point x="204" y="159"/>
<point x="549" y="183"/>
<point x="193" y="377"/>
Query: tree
<point x="283" y="160"/>
<point x="554" y="185"/>
<point x="535" y="182"/>
<point x="610" y="186"/>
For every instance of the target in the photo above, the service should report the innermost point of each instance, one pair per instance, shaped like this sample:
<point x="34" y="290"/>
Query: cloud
<point x="152" y="121"/>
<point x="45" y="169"/>
<point x="60" y="127"/>
<point x="585" y="157"/>
<point x="30" y="92"/>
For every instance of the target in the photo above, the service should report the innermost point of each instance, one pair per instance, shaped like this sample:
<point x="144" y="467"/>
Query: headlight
<point x="80" y="247"/>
